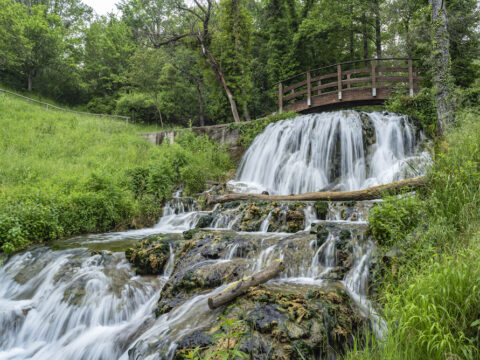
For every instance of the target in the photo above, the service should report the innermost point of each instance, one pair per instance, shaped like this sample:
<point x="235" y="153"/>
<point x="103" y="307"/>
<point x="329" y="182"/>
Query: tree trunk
<point x="441" y="66"/>
<point x="365" y="38"/>
<point x="240" y="287"/>
<point x="378" y="29"/>
<point x="371" y="193"/>
<point x="246" y="113"/>
<point x="221" y="78"/>
<point x="29" y="81"/>
<point x="158" y="109"/>
<point x="201" y="114"/>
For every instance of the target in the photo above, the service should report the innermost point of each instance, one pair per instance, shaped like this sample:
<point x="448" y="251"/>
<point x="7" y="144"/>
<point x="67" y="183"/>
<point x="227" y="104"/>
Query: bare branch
<point x="172" y="39"/>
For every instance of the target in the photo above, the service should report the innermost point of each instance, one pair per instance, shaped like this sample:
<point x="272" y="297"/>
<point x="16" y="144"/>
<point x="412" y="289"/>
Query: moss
<point x="321" y="208"/>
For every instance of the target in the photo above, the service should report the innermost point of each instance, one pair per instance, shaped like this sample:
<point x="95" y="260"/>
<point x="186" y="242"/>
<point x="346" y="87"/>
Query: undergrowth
<point x="62" y="174"/>
<point x="430" y="287"/>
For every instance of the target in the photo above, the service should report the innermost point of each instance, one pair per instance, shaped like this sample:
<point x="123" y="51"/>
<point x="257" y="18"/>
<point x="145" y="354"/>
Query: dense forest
<point x="211" y="62"/>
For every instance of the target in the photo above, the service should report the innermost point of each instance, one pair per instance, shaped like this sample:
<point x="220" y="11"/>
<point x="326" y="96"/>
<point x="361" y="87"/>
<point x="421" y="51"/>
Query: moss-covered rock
<point x="149" y="256"/>
<point x="283" y="323"/>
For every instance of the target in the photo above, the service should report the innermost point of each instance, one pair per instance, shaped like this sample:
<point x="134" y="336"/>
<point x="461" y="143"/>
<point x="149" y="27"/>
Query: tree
<point x="232" y="48"/>
<point x="441" y="66"/>
<point x="108" y="47"/>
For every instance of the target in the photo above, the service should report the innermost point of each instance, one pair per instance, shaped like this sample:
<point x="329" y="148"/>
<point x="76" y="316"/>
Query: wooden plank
<point x="294" y="86"/>
<point x="410" y="76"/>
<point x="358" y="80"/>
<point x="392" y="79"/>
<point x="356" y="71"/>
<point x="293" y="95"/>
<point x="324" y="77"/>
<point x="339" y="73"/>
<point x="325" y="86"/>
<point x="309" y="89"/>
<point x="348" y="81"/>
<point x="392" y="69"/>
<point x="280" y="98"/>
<point x="374" y="81"/>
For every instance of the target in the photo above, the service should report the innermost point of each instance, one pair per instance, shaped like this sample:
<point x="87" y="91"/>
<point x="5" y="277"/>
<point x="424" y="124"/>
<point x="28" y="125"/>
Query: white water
<point x="327" y="151"/>
<point x="76" y="306"/>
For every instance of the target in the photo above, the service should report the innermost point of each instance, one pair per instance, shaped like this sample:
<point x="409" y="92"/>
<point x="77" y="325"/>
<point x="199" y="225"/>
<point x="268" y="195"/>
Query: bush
<point x="391" y="219"/>
<point x="420" y="107"/>
<point x="145" y="110"/>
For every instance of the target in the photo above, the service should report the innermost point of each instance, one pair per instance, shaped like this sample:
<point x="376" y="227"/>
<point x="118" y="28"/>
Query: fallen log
<point x="372" y="193"/>
<point x="240" y="287"/>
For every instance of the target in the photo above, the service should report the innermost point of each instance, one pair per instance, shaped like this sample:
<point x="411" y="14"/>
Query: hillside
<point x="62" y="174"/>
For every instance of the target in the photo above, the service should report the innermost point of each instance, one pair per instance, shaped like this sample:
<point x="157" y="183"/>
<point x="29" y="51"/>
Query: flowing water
<point x="344" y="150"/>
<point x="80" y="299"/>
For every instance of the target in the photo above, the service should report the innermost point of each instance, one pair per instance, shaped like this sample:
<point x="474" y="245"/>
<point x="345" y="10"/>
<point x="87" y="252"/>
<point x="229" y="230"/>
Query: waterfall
<point x="344" y="150"/>
<point x="71" y="305"/>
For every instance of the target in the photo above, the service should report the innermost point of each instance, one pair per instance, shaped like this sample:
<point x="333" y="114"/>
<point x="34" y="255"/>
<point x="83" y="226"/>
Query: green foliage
<point x="251" y="129"/>
<point x="421" y="107"/>
<point x="61" y="175"/>
<point x="393" y="217"/>
<point x="143" y="104"/>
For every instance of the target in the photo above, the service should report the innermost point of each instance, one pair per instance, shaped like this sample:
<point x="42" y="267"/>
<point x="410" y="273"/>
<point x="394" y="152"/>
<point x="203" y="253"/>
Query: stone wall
<point x="224" y="134"/>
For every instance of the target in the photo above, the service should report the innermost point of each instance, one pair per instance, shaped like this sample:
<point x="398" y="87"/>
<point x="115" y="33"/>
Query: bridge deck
<point x="350" y="85"/>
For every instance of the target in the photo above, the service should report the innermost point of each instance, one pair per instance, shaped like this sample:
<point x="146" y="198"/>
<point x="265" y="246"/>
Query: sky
<point x="102" y="7"/>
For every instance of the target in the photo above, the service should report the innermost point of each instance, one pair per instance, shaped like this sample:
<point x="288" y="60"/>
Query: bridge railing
<point x="349" y="77"/>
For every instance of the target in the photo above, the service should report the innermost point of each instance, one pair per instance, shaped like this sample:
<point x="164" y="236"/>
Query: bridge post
<point x="280" y="98"/>
<point x="309" y="89"/>
<point x="410" y="76"/>
<point x="374" y="79"/>
<point x="339" y="73"/>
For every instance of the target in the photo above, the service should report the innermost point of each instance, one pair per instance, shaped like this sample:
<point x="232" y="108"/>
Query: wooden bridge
<point x="355" y="83"/>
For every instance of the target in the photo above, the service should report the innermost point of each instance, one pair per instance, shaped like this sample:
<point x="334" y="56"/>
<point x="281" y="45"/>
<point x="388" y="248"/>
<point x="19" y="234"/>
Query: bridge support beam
<point x="280" y="98"/>
<point x="374" y="79"/>
<point x="340" y="86"/>
<point x="309" y="89"/>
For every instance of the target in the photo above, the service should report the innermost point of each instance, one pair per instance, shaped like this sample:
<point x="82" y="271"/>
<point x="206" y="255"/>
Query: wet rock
<point x="265" y="193"/>
<point x="149" y="256"/>
<point x="197" y="338"/>
<point x="282" y="323"/>
<point x="205" y="221"/>
<point x="199" y="277"/>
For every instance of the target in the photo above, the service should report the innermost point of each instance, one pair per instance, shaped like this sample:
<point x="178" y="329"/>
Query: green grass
<point x="63" y="174"/>
<point x="430" y="293"/>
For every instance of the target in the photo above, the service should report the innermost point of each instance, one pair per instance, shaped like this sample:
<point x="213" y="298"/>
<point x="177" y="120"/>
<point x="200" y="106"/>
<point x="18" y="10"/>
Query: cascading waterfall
<point x="79" y="304"/>
<point x="345" y="150"/>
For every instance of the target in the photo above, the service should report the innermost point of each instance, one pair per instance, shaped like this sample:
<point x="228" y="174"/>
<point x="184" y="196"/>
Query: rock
<point x="205" y="221"/>
<point x="265" y="193"/>
<point x="282" y="323"/>
<point x="149" y="256"/>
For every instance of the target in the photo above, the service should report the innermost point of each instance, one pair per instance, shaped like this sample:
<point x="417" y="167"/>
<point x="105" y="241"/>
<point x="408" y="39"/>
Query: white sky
<point x="102" y="7"/>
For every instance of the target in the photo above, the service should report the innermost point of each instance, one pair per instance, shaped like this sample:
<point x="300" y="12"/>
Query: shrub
<point x="391" y="219"/>
<point x="420" y="107"/>
<point x="145" y="110"/>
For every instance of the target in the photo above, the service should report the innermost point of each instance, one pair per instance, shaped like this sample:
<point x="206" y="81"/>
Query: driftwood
<point x="240" y="287"/>
<point x="371" y="193"/>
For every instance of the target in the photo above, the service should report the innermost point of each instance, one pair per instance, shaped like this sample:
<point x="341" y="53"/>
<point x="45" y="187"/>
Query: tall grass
<point x="62" y="174"/>
<point x="431" y="291"/>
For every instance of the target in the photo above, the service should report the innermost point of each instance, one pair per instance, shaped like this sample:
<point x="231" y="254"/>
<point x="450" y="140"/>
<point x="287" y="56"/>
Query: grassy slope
<point x="62" y="174"/>
<point x="430" y="292"/>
